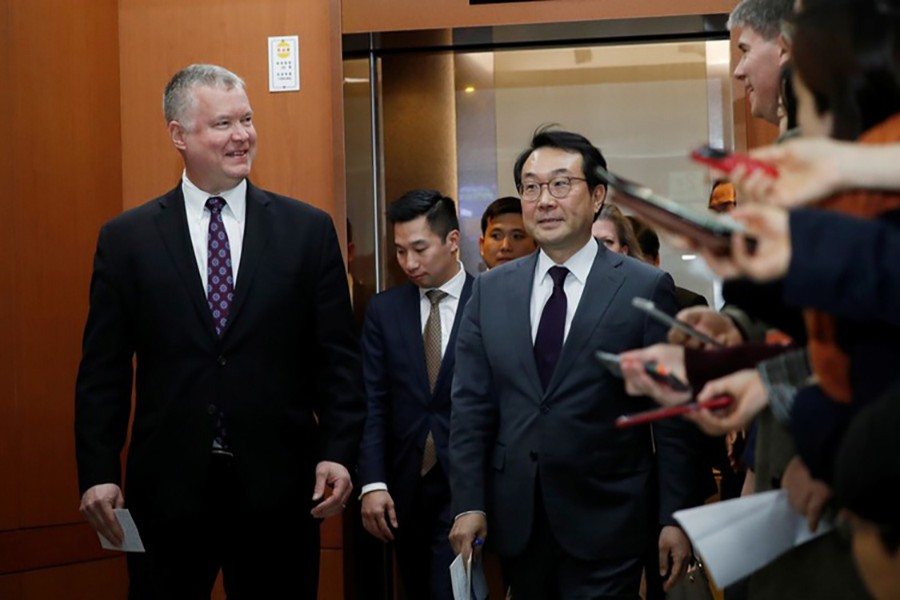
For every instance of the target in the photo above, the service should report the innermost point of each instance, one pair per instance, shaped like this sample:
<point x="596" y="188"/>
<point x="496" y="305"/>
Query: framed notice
<point x="284" y="63"/>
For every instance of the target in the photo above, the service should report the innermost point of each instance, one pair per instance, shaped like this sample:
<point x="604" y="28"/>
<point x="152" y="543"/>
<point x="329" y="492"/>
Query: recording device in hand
<point x="711" y="231"/>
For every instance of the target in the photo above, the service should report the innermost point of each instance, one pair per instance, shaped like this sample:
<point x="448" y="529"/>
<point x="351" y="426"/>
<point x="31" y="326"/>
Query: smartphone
<point x="650" y="308"/>
<point x="610" y="361"/>
<point x="649" y="416"/>
<point x="727" y="161"/>
<point x="712" y="231"/>
<point x="655" y="370"/>
<point x="661" y="374"/>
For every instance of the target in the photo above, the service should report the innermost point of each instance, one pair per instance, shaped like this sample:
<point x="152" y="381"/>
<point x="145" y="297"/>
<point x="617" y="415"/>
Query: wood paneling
<point x="9" y="502"/>
<point x="65" y="180"/>
<point x="89" y="581"/>
<point x="362" y="16"/>
<point x="45" y="547"/>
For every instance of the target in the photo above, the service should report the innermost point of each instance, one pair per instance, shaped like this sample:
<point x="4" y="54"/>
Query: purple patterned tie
<point x="219" y="280"/>
<point x="549" y="340"/>
<point x="219" y="293"/>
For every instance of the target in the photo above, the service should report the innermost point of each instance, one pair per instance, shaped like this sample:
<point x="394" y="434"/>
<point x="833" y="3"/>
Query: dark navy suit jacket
<point x="402" y="410"/>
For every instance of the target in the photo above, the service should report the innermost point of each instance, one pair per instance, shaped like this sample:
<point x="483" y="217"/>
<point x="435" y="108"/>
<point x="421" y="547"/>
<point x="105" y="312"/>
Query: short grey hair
<point x="763" y="16"/>
<point x="177" y="97"/>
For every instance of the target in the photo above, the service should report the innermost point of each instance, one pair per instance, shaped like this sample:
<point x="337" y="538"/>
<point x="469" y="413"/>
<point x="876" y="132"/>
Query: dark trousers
<point x="544" y="571"/>
<point x="423" y="548"/>
<point x="262" y="555"/>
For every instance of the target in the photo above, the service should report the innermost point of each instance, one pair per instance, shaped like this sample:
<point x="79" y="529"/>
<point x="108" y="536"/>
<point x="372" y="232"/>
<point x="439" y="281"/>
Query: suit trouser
<point x="271" y="554"/>
<point x="423" y="546"/>
<point x="544" y="571"/>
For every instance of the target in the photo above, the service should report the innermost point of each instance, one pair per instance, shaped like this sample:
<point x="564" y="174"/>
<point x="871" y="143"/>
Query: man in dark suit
<point x="409" y="338"/>
<point x="533" y="449"/>
<point x="233" y="303"/>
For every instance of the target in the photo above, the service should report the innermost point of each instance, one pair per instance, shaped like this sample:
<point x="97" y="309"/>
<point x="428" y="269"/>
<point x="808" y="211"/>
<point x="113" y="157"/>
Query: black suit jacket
<point x="285" y="370"/>
<point x="599" y="483"/>
<point x="402" y="410"/>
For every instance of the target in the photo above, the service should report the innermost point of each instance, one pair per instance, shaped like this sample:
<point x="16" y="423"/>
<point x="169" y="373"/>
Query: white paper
<point x="132" y="542"/>
<point x="468" y="582"/>
<point x="738" y="537"/>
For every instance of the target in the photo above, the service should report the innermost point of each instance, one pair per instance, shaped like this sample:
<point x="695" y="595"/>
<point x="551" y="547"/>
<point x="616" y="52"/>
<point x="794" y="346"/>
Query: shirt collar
<point x="579" y="264"/>
<point x="195" y="198"/>
<point x="453" y="287"/>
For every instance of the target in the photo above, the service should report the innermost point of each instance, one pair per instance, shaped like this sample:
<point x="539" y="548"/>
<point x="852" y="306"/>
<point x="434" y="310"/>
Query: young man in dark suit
<point x="409" y="337"/>
<point x="232" y="302"/>
<point x="534" y="451"/>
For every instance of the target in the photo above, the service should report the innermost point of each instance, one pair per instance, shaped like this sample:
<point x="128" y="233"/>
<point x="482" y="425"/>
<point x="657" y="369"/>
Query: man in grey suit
<point x="533" y="448"/>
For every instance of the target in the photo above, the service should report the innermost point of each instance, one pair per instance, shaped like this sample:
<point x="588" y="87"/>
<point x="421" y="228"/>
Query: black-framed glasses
<point x="559" y="188"/>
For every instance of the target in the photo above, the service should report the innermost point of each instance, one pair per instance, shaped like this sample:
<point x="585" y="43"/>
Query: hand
<point x="772" y="256"/>
<point x="750" y="397"/>
<point x="638" y="383"/>
<point x="808" y="496"/>
<point x="97" y="506"/>
<point x="375" y="505"/>
<point x="808" y="169"/>
<point x="466" y="529"/>
<point x="716" y="325"/>
<point x="674" y="546"/>
<point x="335" y="476"/>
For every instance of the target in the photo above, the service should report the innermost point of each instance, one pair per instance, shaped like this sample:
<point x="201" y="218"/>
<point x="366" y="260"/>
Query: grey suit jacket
<point x="603" y="488"/>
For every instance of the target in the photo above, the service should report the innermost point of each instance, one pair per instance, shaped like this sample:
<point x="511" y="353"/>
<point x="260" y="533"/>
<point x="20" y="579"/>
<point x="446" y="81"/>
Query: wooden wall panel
<point x="299" y="153"/>
<point x="9" y="503"/>
<point x="64" y="129"/>
<point x="88" y="581"/>
<point x="361" y="16"/>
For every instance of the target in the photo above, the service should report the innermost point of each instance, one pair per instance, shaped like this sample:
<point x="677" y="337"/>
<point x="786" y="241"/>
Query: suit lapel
<point x="602" y="284"/>
<point x="257" y="232"/>
<point x="409" y="324"/>
<point x="448" y="360"/>
<point x="171" y="222"/>
<point x="519" y="313"/>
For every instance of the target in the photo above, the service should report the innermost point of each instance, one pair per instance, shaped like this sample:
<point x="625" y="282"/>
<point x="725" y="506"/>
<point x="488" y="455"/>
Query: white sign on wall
<point x="284" y="63"/>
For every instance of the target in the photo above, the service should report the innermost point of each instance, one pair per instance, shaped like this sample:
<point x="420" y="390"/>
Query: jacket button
<point x="221" y="360"/>
<point x="211" y="409"/>
<point x="533" y="455"/>
<point x="545" y="408"/>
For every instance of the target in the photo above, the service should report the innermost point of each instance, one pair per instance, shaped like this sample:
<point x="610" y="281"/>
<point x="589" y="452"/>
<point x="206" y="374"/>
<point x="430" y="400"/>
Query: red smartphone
<point x="726" y="161"/>
<point x="648" y="416"/>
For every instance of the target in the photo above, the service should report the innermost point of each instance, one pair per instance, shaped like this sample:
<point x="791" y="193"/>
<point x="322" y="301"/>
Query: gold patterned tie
<point x="432" y="339"/>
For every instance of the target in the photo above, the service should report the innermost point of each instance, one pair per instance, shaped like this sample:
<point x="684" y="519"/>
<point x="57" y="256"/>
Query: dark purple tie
<point x="549" y="340"/>
<point x="219" y="293"/>
<point x="219" y="279"/>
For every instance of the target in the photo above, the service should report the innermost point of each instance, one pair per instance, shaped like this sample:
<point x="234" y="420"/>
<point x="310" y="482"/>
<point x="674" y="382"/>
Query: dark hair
<point x="788" y="97"/>
<point x="610" y="212"/>
<point x="545" y="137"/>
<point x="646" y="237"/>
<point x="846" y="54"/>
<point x="501" y="206"/>
<point x="439" y="211"/>
<point x="867" y="468"/>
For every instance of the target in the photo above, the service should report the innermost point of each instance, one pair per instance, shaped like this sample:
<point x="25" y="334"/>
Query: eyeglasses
<point x="559" y="188"/>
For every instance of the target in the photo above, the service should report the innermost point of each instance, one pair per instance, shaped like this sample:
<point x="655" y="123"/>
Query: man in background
<point x="409" y="341"/>
<point x="503" y="235"/>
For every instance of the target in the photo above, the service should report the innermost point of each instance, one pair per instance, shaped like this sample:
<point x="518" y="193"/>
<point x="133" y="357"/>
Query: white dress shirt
<point x="233" y="216"/>
<point x="447" y="306"/>
<point x="579" y="265"/>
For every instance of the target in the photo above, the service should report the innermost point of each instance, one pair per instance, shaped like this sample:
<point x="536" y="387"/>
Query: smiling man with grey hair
<point x="232" y="302"/>
<point x="763" y="52"/>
